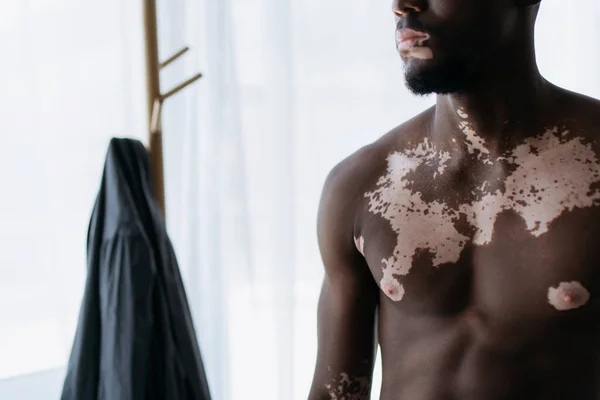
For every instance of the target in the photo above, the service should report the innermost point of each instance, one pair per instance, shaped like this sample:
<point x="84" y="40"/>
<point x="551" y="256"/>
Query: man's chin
<point x="424" y="77"/>
<point x="419" y="89"/>
<point x="416" y="66"/>
<point x="422" y="83"/>
<point x="417" y="77"/>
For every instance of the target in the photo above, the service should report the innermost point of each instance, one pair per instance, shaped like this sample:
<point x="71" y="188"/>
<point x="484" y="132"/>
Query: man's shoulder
<point x="351" y="176"/>
<point x="581" y="110"/>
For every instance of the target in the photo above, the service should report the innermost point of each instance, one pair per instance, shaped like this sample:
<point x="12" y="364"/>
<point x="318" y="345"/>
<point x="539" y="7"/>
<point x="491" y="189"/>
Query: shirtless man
<point x="472" y="230"/>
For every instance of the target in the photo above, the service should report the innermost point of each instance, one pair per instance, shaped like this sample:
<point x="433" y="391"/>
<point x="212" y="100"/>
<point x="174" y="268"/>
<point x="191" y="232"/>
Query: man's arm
<point x="348" y="301"/>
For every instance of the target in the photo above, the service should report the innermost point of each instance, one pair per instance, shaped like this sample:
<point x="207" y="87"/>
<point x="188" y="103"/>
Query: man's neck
<point x="508" y="94"/>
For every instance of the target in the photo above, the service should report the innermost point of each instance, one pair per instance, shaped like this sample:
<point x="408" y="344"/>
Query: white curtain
<point x="290" y="88"/>
<point x="71" y="76"/>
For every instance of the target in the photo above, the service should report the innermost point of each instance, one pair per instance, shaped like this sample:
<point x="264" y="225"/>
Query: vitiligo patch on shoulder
<point x="552" y="174"/>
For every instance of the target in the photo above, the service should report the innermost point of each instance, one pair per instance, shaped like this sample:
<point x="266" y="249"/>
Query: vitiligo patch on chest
<point x="359" y="242"/>
<point x="553" y="174"/>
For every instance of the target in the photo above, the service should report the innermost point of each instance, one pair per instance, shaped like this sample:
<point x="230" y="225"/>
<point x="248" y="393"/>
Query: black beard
<point x="447" y="77"/>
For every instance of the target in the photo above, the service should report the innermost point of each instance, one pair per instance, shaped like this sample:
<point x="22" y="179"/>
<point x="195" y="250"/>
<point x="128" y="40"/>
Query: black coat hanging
<point x="135" y="338"/>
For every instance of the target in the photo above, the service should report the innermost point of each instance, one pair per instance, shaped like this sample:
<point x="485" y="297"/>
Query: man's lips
<point x="410" y="37"/>
<point x="410" y="44"/>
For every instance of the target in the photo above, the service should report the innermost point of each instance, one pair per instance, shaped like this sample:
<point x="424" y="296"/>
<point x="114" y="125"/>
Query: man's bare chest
<point x="519" y="233"/>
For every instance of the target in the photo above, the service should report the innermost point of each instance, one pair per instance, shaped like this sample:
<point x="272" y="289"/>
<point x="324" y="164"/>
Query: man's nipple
<point x="568" y="296"/>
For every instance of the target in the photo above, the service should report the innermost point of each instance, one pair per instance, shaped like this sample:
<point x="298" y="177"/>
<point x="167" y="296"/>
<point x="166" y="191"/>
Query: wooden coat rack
<point x="155" y="99"/>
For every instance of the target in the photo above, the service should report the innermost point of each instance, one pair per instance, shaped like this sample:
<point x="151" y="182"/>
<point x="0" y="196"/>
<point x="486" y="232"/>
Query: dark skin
<point x="479" y="328"/>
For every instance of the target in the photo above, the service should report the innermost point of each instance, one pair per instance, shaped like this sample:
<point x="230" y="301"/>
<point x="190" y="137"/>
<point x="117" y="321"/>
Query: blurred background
<point x="290" y="88"/>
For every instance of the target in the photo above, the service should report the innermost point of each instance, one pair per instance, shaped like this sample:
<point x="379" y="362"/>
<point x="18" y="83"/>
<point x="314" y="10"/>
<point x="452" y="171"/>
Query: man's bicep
<point x="346" y="343"/>
<point x="347" y="306"/>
